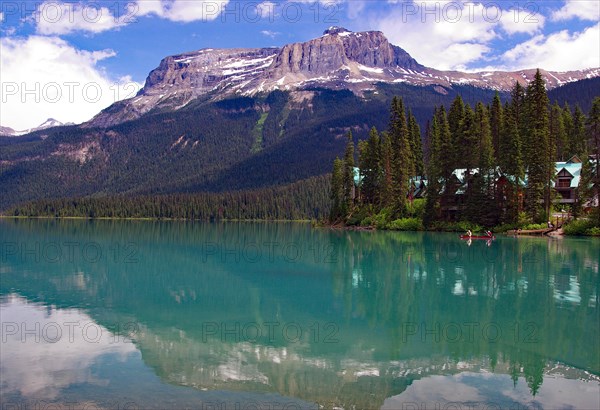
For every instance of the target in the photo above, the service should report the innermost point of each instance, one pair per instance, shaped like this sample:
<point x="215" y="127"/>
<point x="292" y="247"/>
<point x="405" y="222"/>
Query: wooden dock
<point x="530" y="231"/>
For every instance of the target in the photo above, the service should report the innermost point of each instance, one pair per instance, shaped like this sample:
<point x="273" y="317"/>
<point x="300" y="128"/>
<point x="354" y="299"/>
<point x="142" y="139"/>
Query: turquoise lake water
<point x="138" y="314"/>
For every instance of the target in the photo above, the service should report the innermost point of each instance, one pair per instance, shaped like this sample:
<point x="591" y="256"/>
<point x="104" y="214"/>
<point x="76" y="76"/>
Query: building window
<point x="564" y="183"/>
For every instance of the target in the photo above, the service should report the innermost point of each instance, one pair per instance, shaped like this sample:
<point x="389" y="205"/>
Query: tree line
<point x="303" y="200"/>
<point x="519" y="140"/>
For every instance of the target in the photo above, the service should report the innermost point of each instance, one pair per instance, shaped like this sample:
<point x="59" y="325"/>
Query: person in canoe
<point x="489" y="234"/>
<point x="469" y="233"/>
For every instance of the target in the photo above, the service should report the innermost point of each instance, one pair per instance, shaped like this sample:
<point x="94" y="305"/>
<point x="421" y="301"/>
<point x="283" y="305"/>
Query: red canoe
<point x="477" y="237"/>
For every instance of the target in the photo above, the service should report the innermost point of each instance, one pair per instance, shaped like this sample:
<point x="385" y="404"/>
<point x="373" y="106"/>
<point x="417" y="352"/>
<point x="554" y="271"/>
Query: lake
<point x="139" y="314"/>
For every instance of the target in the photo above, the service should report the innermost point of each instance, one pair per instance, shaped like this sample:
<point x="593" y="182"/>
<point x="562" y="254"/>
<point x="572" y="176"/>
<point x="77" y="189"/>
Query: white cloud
<point x="56" y="18"/>
<point x="45" y="77"/>
<point x="356" y="9"/>
<point x="266" y="9"/>
<point x="181" y="10"/>
<point x="45" y="363"/>
<point x="583" y="10"/>
<point x="442" y="34"/>
<point x="145" y="7"/>
<point x="515" y="21"/>
<point x="560" y="51"/>
<point x="270" y="33"/>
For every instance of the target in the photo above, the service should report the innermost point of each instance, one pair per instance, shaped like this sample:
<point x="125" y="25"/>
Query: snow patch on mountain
<point x="340" y="59"/>
<point x="49" y="123"/>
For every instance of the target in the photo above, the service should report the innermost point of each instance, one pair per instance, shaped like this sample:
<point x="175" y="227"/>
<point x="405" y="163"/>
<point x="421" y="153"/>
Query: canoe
<point x="477" y="237"/>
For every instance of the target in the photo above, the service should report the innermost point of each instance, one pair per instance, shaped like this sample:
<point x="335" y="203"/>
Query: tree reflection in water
<point x="400" y="307"/>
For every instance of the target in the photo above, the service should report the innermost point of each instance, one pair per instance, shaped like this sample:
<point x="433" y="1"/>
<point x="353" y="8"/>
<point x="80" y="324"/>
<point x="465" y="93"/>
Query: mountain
<point x="339" y="59"/>
<point x="243" y="119"/>
<point x="7" y="131"/>
<point x="49" y="123"/>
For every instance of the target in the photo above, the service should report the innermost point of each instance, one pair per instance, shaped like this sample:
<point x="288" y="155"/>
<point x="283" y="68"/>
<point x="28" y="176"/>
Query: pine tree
<point x="511" y="163"/>
<point x="434" y="173"/>
<point x="537" y="150"/>
<point x="467" y="141"/>
<point x="402" y="160"/>
<point x="517" y="104"/>
<point x="348" y="173"/>
<point x="363" y="153"/>
<point x="568" y="125"/>
<point x="446" y="162"/>
<point x="416" y="144"/>
<point x="578" y="139"/>
<point x="455" y="118"/>
<point x="585" y="191"/>
<point x="427" y="142"/>
<point x="496" y="122"/>
<point x="558" y="137"/>
<point x="455" y="115"/>
<point x="481" y="208"/>
<point x="593" y="136"/>
<point x="370" y="167"/>
<point x="386" y="194"/>
<point x="484" y="132"/>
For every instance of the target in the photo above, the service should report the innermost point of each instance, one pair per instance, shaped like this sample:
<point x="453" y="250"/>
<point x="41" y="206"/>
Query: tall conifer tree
<point x="455" y="118"/>
<point x="558" y="137"/>
<point x="416" y="144"/>
<point x="386" y="194"/>
<point x="511" y="163"/>
<point x="338" y="206"/>
<point x="402" y="157"/>
<point x="348" y="175"/>
<point x="434" y="173"/>
<point x="568" y="124"/>
<point x="537" y="149"/>
<point x="593" y="136"/>
<point x="370" y="167"/>
<point x="578" y="139"/>
<point x="496" y="122"/>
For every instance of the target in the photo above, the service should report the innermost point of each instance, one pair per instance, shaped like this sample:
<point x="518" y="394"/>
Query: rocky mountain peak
<point x="339" y="59"/>
<point x="338" y="49"/>
<point x="336" y="30"/>
<point x="49" y="123"/>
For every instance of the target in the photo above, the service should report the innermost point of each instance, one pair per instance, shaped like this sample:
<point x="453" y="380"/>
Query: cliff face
<point x="204" y="69"/>
<point x="182" y="78"/>
<point x="339" y="59"/>
<point x="338" y="48"/>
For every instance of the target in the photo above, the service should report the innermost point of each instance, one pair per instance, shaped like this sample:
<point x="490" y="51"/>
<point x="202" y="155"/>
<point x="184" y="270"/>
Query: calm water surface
<point x="135" y="315"/>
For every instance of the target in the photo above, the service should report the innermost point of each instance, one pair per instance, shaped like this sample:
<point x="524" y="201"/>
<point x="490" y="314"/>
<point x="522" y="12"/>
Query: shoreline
<point x="105" y="218"/>
<point x="336" y="227"/>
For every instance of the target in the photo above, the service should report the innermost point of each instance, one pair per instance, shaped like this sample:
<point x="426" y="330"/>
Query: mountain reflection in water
<point x="282" y="313"/>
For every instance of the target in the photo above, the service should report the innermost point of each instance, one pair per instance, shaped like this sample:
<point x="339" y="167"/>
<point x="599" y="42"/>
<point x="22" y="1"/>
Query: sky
<point x="70" y="59"/>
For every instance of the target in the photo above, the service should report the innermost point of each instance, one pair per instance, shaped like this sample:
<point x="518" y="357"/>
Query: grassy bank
<point x="363" y="218"/>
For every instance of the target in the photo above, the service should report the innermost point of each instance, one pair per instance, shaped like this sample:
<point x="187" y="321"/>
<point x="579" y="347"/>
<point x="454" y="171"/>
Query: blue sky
<point x="105" y="49"/>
